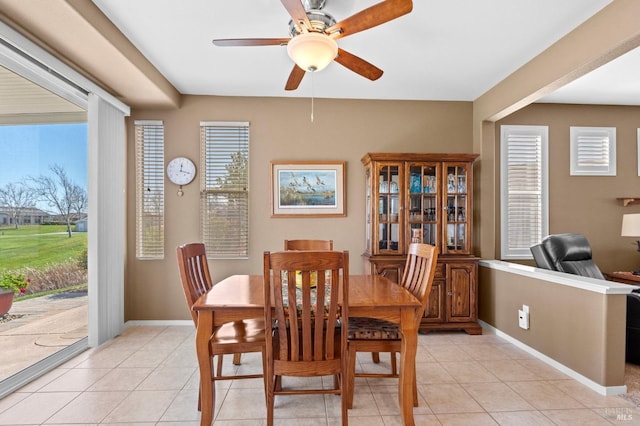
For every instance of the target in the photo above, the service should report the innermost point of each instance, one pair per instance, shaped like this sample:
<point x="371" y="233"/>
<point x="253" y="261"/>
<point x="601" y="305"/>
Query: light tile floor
<point x="148" y="375"/>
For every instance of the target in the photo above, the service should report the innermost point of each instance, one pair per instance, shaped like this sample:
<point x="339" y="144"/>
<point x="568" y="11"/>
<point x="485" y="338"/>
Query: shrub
<point x="82" y="261"/>
<point x="61" y="275"/>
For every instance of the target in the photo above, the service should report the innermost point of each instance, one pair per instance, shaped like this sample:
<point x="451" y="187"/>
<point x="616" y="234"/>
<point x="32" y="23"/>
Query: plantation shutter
<point x="593" y="151"/>
<point x="149" y="135"/>
<point x="524" y="194"/>
<point x="224" y="185"/>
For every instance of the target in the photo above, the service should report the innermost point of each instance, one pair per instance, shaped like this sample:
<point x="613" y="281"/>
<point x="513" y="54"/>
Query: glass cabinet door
<point x="423" y="203"/>
<point x="368" y="210"/>
<point x="456" y="213"/>
<point x="389" y="208"/>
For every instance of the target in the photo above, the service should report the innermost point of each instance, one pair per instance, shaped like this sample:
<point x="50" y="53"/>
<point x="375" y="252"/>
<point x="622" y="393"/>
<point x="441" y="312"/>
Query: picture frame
<point x="308" y="189"/>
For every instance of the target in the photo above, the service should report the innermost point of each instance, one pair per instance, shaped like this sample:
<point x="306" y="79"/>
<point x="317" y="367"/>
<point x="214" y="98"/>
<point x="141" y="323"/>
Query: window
<point x="149" y="189"/>
<point x="224" y="185"/>
<point x="524" y="189"/>
<point x="593" y="151"/>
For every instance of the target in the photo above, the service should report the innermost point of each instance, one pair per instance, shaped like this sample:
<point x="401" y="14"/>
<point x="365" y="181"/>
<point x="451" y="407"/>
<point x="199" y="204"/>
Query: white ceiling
<point x="442" y="50"/>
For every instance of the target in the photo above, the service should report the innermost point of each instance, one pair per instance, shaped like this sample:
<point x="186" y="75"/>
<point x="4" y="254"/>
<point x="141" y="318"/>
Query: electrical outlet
<point x="523" y="317"/>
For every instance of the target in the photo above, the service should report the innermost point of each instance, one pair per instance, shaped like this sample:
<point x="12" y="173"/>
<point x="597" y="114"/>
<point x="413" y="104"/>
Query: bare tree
<point x="59" y="192"/>
<point x="17" y="198"/>
<point x="80" y="201"/>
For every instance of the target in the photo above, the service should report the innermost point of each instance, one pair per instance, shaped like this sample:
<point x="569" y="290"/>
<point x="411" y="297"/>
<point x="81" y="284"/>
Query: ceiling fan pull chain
<point x="312" y="87"/>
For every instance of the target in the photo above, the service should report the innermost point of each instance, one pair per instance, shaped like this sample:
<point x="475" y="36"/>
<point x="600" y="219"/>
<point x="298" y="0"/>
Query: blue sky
<point x="30" y="150"/>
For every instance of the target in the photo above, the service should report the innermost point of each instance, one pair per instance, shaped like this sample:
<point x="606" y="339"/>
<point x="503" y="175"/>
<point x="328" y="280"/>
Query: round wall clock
<point x="181" y="170"/>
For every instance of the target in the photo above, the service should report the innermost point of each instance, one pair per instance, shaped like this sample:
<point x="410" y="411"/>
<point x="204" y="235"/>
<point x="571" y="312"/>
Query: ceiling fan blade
<point x="251" y="41"/>
<point x="358" y="65"/>
<point x="294" y="78"/>
<point x="297" y="12"/>
<point x="377" y="14"/>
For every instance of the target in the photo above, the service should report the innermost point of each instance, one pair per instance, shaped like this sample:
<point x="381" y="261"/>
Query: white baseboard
<point x="602" y="390"/>
<point x="159" y="323"/>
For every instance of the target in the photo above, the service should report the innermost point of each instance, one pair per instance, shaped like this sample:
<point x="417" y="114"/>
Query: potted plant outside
<point x="10" y="284"/>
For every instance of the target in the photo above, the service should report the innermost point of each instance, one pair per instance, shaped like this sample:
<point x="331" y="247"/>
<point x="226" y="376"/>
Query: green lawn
<point x="36" y="246"/>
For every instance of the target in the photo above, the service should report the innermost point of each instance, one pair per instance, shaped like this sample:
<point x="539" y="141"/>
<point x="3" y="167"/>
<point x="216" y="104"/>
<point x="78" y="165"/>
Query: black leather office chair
<point x="571" y="253"/>
<point x="541" y="257"/>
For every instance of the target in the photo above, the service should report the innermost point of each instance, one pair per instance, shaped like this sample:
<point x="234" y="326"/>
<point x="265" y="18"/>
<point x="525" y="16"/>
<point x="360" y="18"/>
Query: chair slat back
<point x="419" y="271"/>
<point x="194" y="273"/>
<point x="308" y="244"/>
<point x="305" y="291"/>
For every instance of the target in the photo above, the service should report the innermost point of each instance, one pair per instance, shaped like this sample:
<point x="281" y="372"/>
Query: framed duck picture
<point x="308" y="189"/>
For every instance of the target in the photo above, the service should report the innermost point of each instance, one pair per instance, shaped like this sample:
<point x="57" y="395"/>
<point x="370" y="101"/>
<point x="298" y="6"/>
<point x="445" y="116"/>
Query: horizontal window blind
<point x="593" y="151"/>
<point x="149" y="135"/>
<point x="524" y="194"/>
<point x="225" y="188"/>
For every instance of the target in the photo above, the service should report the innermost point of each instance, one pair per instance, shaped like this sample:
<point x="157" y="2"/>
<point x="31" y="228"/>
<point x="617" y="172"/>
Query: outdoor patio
<point x="46" y="325"/>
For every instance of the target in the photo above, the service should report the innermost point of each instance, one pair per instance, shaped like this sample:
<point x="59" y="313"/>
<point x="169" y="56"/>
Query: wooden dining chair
<point x="305" y="313"/>
<point x="230" y="338"/>
<point x="376" y="335"/>
<point x="308" y="244"/>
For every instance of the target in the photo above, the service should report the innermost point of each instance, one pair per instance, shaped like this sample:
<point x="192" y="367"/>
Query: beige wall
<point x="280" y="130"/>
<point x="584" y="49"/>
<point x="345" y="130"/>
<point x="591" y="344"/>
<point x="588" y="204"/>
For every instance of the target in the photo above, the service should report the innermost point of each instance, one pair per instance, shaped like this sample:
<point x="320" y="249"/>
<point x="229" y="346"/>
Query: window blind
<point x="593" y="151"/>
<point x="224" y="198"/>
<point x="149" y="136"/>
<point x="523" y="180"/>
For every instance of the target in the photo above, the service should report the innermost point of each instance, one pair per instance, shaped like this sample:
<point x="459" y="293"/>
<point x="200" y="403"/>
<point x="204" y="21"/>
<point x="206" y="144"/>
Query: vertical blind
<point x="224" y="185"/>
<point x="524" y="213"/>
<point x="149" y="135"/>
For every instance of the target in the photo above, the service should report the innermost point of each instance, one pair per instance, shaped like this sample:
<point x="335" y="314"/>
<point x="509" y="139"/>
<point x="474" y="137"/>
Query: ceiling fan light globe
<point x="312" y="51"/>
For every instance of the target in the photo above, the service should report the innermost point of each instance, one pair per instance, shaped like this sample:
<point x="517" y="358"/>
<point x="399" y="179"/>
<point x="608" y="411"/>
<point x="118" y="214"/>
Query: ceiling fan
<point x="312" y="44"/>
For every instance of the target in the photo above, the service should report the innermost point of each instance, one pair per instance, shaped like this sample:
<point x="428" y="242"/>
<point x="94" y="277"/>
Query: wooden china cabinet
<point x="425" y="198"/>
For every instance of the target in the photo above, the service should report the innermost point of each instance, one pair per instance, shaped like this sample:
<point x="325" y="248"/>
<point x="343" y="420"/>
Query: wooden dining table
<point x="241" y="297"/>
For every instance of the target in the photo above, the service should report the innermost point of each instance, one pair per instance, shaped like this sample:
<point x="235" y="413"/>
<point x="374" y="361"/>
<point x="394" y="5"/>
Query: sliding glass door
<point x="43" y="224"/>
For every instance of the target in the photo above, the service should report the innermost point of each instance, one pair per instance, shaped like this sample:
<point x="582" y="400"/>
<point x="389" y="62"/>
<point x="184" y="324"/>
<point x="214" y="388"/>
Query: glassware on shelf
<point x="461" y="217"/>
<point x="430" y="214"/>
<point x="427" y="182"/>
<point x="383" y="236"/>
<point x="451" y="234"/>
<point x="394" y="205"/>
<point x="415" y="186"/>
<point x="462" y="185"/>
<point x="461" y="236"/>
<point x="451" y="213"/>
<point x="451" y="183"/>
<point x="432" y="184"/>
